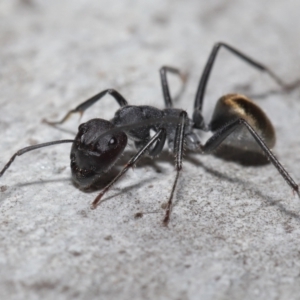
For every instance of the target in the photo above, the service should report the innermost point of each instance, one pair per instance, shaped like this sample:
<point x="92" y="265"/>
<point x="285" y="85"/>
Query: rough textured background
<point x="234" y="231"/>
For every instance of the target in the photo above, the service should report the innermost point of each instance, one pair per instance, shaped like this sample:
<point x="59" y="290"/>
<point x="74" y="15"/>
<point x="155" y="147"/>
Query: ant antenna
<point x="30" y="148"/>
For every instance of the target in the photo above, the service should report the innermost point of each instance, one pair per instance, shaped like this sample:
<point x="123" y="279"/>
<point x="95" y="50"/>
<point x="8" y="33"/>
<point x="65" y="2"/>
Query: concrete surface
<point x="234" y="231"/>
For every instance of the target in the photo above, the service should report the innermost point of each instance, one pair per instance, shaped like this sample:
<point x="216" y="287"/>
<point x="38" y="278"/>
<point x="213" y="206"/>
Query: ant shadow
<point x="243" y="157"/>
<point x="10" y="191"/>
<point x="268" y="199"/>
<point x="100" y="184"/>
<point x="168" y="158"/>
<point x="228" y="153"/>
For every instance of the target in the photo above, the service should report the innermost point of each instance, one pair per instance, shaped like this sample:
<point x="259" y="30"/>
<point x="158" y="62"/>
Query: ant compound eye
<point x="112" y="141"/>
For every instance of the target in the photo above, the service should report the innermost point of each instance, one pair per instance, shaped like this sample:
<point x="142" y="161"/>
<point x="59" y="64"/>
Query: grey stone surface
<point x="234" y="231"/>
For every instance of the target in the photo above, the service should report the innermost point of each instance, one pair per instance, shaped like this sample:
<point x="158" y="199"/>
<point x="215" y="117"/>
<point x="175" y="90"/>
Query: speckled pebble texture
<point x="234" y="231"/>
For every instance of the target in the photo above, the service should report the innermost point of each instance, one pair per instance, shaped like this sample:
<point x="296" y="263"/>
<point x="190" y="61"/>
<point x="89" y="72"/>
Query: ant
<point x="99" y="143"/>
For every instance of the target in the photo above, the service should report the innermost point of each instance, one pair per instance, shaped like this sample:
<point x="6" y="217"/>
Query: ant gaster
<point x="99" y="143"/>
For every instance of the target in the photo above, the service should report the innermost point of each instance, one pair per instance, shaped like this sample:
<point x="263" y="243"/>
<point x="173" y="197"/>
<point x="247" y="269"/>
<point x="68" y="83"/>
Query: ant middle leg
<point x="220" y="135"/>
<point x="165" y="85"/>
<point x="89" y="102"/>
<point x="178" y="149"/>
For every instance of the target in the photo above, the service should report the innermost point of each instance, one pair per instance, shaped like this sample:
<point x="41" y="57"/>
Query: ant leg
<point x="130" y="164"/>
<point x="30" y="148"/>
<point x="178" y="149"/>
<point x="227" y="129"/>
<point x="159" y="145"/>
<point x="207" y="70"/>
<point x="165" y="85"/>
<point x="89" y="102"/>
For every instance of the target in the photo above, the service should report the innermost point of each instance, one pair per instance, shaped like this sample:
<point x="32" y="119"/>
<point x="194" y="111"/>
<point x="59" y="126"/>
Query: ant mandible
<point x="99" y="143"/>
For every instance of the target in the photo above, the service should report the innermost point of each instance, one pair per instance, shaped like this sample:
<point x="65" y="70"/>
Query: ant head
<point x="94" y="151"/>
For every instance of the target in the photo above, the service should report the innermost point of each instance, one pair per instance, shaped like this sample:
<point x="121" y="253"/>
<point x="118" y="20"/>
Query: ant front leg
<point x="178" y="149"/>
<point x="89" y="102"/>
<point x="220" y="135"/>
<point x="197" y="117"/>
<point x="156" y="138"/>
<point x="165" y="85"/>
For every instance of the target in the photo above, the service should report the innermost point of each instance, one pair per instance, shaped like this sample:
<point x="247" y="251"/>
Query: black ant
<point x="99" y="143"/>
